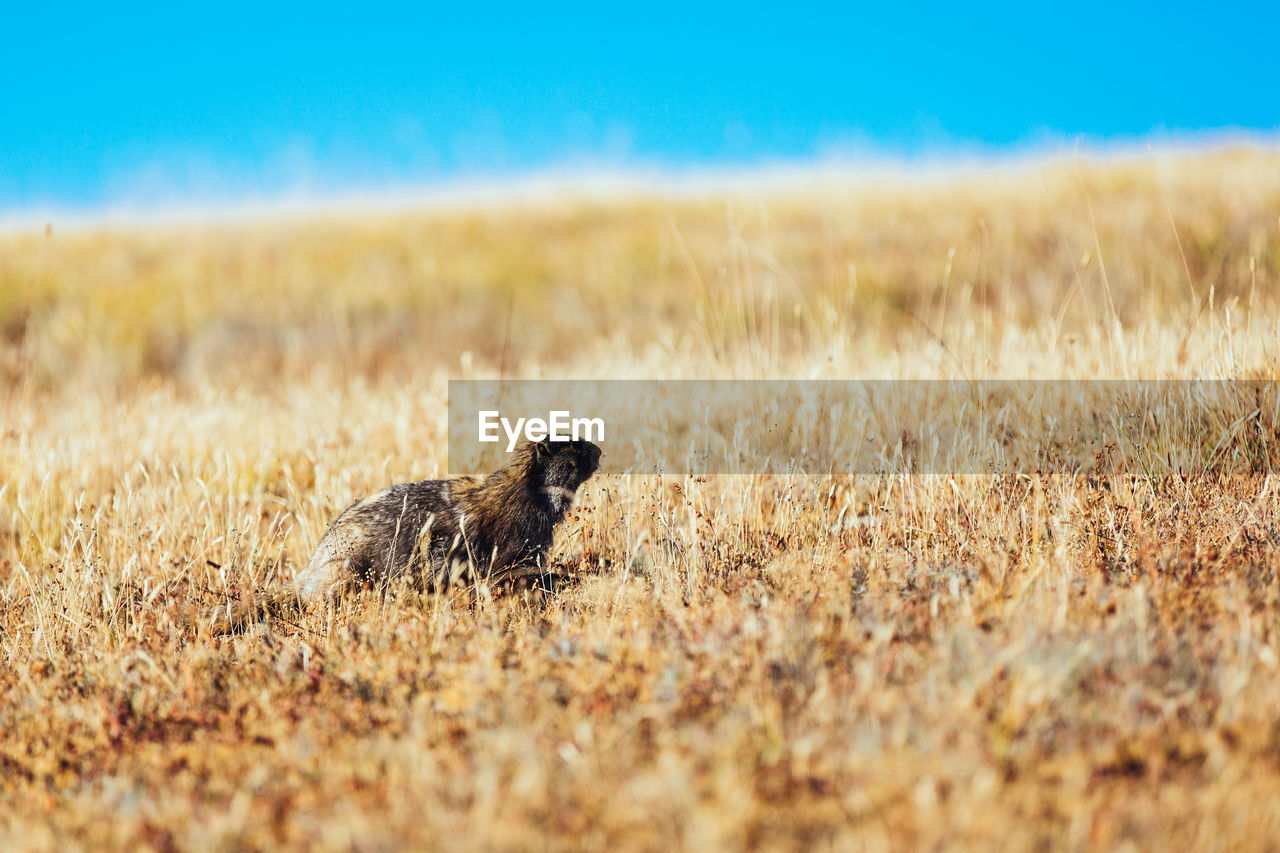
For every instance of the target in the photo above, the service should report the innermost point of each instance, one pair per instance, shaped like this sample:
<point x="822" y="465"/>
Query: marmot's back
<point x="378" y="537"/>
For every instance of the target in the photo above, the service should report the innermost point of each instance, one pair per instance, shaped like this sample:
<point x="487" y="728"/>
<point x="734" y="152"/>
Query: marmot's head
<point x="558" y="468"/>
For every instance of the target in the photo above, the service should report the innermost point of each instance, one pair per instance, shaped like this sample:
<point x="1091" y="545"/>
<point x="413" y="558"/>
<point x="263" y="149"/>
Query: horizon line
<point x="565" y="183"/>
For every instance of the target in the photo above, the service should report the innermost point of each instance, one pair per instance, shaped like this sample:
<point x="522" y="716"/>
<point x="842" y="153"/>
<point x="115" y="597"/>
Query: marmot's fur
<point x="496" y="528"/>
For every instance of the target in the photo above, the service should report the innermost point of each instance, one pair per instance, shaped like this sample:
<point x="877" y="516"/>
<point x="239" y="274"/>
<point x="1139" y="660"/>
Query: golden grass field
<point x="746" y="662"/>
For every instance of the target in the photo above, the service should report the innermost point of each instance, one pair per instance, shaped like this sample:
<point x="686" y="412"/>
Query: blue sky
<point x="171" y="103"/>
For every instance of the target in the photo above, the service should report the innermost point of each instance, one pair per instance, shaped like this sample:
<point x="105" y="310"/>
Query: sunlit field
<point x="742" y="662"/>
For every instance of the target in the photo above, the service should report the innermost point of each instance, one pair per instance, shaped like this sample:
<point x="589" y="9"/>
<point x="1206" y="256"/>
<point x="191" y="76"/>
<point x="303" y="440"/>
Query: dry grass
<point x="746" y="662"/>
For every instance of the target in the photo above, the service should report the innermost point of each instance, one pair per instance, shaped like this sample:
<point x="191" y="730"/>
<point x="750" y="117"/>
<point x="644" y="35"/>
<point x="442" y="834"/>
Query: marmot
<point x="496" y="528"/>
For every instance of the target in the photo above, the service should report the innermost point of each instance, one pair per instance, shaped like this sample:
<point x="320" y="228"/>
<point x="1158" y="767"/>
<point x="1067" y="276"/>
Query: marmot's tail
<point x="320" y="577"/>
<point x="236" y="616"/>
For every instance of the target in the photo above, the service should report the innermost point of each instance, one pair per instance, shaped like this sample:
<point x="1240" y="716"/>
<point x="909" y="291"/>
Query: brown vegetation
<point x="745" y="662"/>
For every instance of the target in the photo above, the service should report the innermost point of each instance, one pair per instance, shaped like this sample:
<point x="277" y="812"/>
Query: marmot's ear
<point x="539" y="450"/>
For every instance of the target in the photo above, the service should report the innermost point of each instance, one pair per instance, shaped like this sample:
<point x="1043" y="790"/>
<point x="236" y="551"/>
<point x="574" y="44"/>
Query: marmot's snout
<point x="588" y="459"/>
